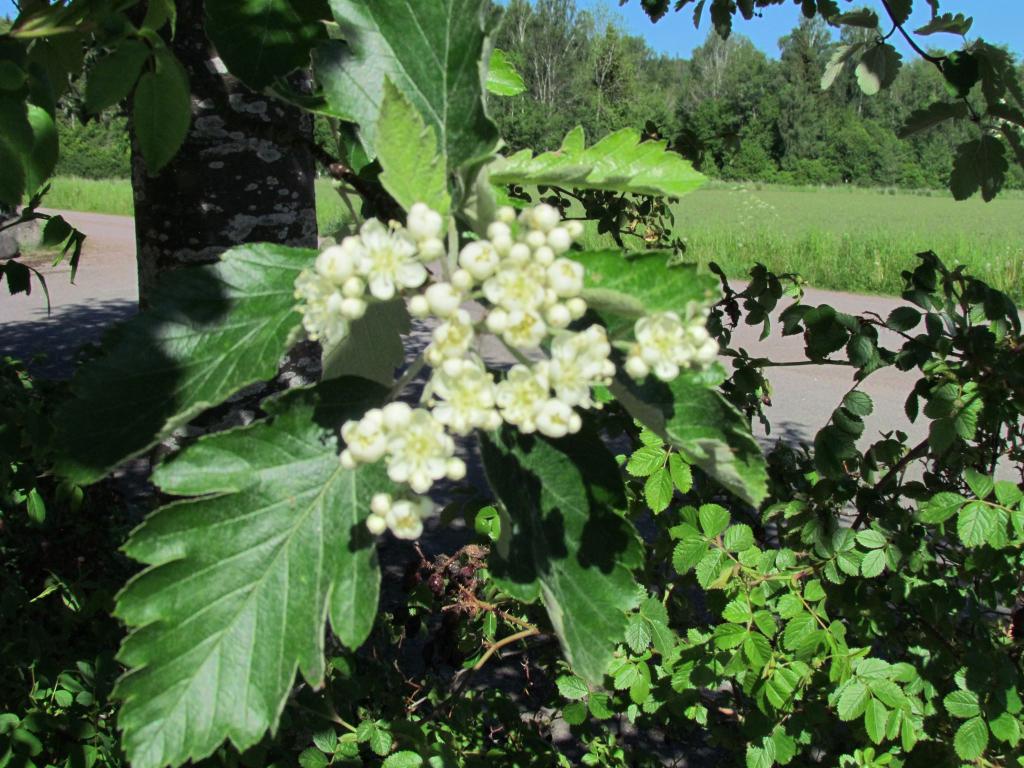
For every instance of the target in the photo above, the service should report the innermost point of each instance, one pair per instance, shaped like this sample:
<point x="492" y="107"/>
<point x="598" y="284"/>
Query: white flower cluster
<point x="532" y="293"/>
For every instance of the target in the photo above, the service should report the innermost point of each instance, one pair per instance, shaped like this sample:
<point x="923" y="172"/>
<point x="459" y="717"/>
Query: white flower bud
<point x="353" y="309"/>
<point x="544" y="256"/>
<point x="376" y="524"/>
<point x="577" y="307"/>
<point x="347" y="461"/>
<point x="498" y="229"/>
<point x="565" y="276"/>
<point x="336" y="263"/>
<point x="480" y="259"/>
<point x="380" y="504"/>
<point x="545" y="217"/>
<point x="520" y="253"/>
<point x="424" y="223"/>
<point x="497" y="320"/>
<point x="354" y="288"/>
<point x="432" y="249"/>
<point x="419" y="306"/>
<point x="575" y="229"/>
<point x="455" y="469"/>
<point x="396" y="415"/>
<point x="443" y="299"/>
<point x="636" y="367"/>
<point x="558" y="316"/>
<point x="536" y="239"/>
<point x="506" y="214"/>
<point x="462" y="280"/>
<point x="559" y="240"/>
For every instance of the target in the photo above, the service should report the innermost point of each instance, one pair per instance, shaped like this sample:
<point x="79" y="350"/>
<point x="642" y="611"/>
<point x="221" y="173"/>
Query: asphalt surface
<point x="105" y="291"/>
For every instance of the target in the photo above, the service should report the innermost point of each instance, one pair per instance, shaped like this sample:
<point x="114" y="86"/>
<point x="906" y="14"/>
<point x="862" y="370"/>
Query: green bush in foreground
<point x="852" y="602"/>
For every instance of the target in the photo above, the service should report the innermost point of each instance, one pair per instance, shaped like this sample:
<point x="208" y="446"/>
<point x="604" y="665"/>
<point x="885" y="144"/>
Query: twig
<point x="498" y="645"/>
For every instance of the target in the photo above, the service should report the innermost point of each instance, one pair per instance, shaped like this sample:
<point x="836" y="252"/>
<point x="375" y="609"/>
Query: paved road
<point x="105" y="291"/>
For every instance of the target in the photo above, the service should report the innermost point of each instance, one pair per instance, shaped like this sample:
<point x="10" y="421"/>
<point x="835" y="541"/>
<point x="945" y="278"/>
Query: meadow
<point x="841" y="238"/>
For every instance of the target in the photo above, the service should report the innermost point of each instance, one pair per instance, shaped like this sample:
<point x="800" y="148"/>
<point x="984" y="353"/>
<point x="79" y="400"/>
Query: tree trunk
<point x="244" y="174"/>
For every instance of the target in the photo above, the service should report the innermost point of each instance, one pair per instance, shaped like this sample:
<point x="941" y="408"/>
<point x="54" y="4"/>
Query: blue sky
<point x="998" y="21"/>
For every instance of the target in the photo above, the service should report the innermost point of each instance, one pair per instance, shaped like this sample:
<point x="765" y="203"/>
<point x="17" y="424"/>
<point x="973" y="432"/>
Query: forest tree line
<point x="738" y="113"/>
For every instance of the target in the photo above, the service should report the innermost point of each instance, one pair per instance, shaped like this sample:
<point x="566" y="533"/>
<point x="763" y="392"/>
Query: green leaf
<point x="711" y="568"/>
<point x="941" y="507"/>
<point x="241" y="579"/>
<point x="979" y="164"/>
<point x="682" y="475"/>
<point x="565" y="542"/>
<point x="42" y="158"/>
<point x="875" y="718"/>
<point x="12" y="180"/>
<point x="903" y="319"/>
<point x="956" y="24"/>
<point x="687" y="554"/>
<point x="929" y="117"/>
<point x="373" y="348"/>
<point x="413" y="170"/>
<point x="622" y="289"/>
<point x="837" y="62"/>
<point x="209" y="332"/>
<point x="981" y="485"/>
<point x="35" y="507"/>
<point x="620" y="162"/>
<point x="162" y="111"/>
<point x="858" y="403"/>
<point x="864" y="18"/>
<point x="658" y="491"/>
<point x="1007" y="493"/>
<point x="638" y="634"/>
<point x="313" y="758"/>
<point x="962" y="704"/>
<point x="431" y="50"/>
<point x="878" y="68"/>
<point x="113" y="76"/>
<point x="502" y="78"/>
<point x="713" y="519"/>
<point x="873" y="563"/>
<point x="646" y="460"/>
<point x="575" y="713"/>
<point x="871" y="539"/>
<point x="262" y="40"/>
<point x="853" y="701"/>
<point x="730" y="635"/>
<point x="707" y="430"/>
<point x="738" y="538"/>
<point x="976" y="522"/>
<point x="1006" y="727"/>
<point x="971" y="739"/>
<point x="403" y="759"/>
<point x="572" y="687"/>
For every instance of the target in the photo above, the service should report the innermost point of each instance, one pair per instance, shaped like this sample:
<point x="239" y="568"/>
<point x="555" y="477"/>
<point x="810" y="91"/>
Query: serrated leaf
<point x="113" y="76"/>
<point x="682" y="475"/>
<point x="871" y="539"/>
<point x="161" y="112"/>
<point x="42" y="158"/>
<point x="431" y="50"/>
<point x="979" y="164"/>
<point x="687" y="554"/>
<point x="312" y="758"/>
<point x="239" y="581"/>
<point x="876" y="716"/>
<point x="403" y="759"/>
<point x="413" y="170"/>
<point x="502" y="77"/>
<point x="711" y="568"/>
<point x="565" y="542"/>
<point x="903" y="319"/>
<point x="1006" y="727"/>
<point x="646" y="460"/>
<point x="864" y="18"/>
<point x="730" y="635"/>
<point x="757" y="649"/>
<point x="738" y="538"/>
<point x="878" y="68"/>
<point x="975" y="523"/>
<point x="941" y="507"/>
<point x="658" y="491"/>
<point x="623" y="288"/>
<point x="373" y="348"/>
<point x="572" y="687"/>
<point x="575" y="713"/>
<point x="981" y="485"/>
<point x="1007" y="493"/>
<point x="837" y="62"/>
<point x="929" y="117"/>
<point x="638" y="634"/>
<point x="209" y="332"/>
<point x="620" y="162"/>
<point x="971" y="739"/>
<point x="962" y="704"/>
<point x="707" y="430"/>
<point x="853" y="701"/>
<point x="858" y="403"/>
<point x="262" y="40"/>
<point x="873" y="563"/>
<point x="956" y="24"/>
<point x="713" y="519"/>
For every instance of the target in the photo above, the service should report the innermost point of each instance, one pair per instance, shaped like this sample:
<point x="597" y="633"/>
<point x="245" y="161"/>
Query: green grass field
<point x="846" y="239"/>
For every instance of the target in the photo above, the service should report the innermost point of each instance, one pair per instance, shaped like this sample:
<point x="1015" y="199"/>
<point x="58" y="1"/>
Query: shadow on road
<point x="50" y="346"/>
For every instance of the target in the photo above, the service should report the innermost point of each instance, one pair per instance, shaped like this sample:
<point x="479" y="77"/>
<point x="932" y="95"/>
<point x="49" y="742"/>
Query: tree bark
<point x="244" y="174"/>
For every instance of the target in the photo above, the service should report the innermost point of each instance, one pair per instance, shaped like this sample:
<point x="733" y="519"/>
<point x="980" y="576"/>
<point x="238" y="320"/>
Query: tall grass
<point x="842" y="238"/>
